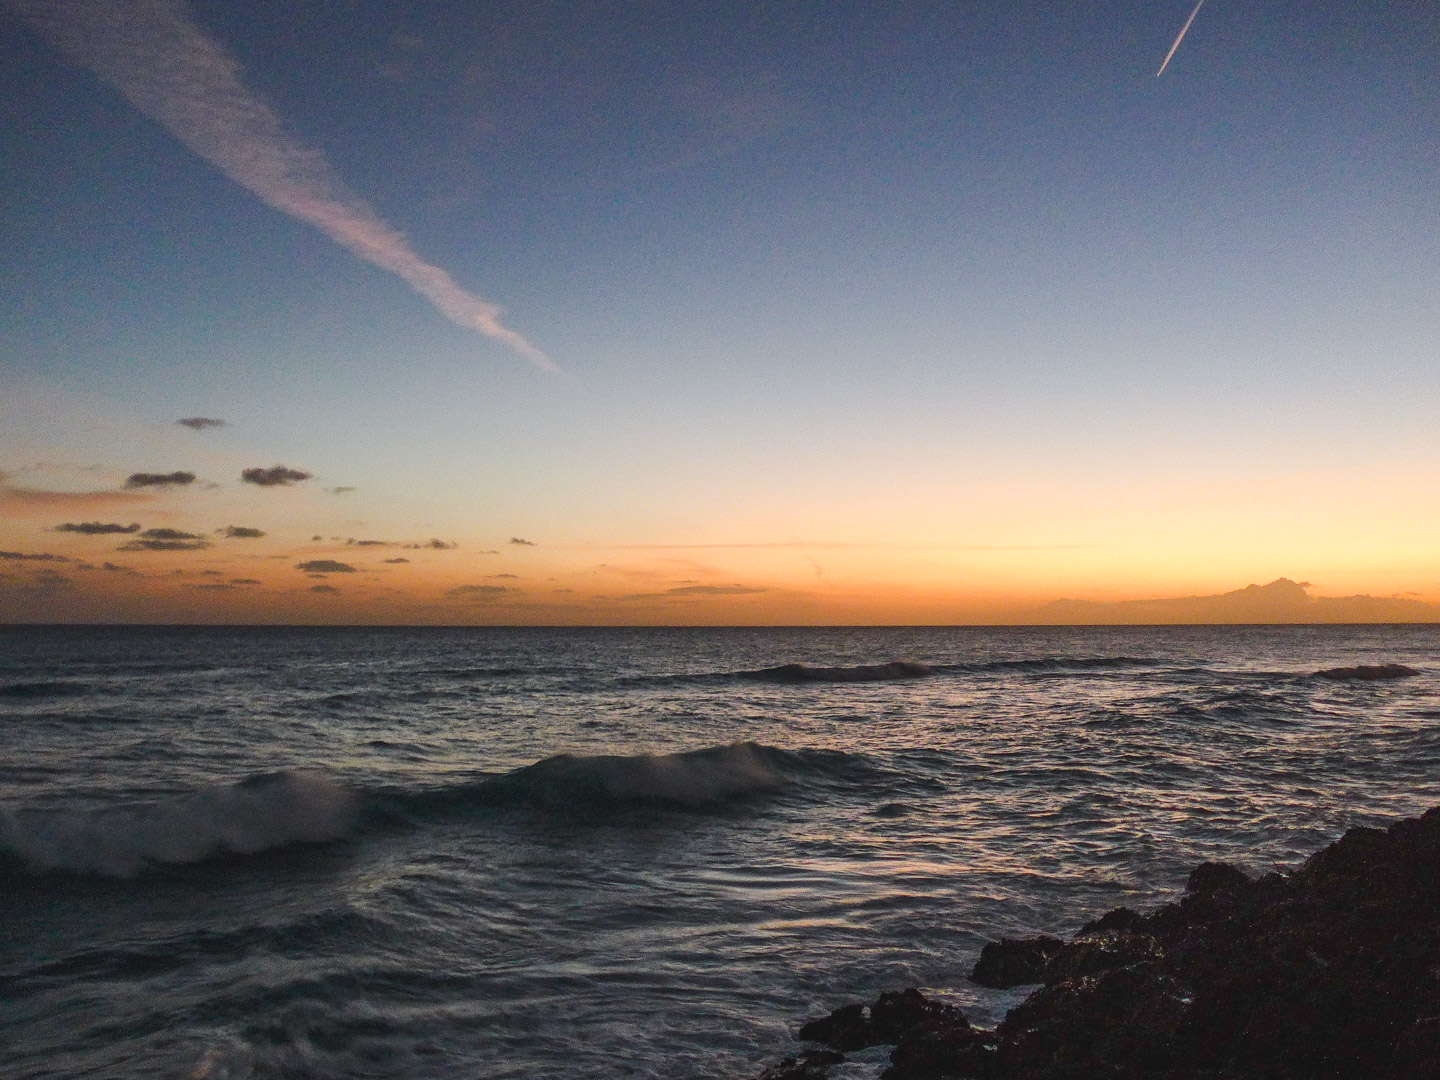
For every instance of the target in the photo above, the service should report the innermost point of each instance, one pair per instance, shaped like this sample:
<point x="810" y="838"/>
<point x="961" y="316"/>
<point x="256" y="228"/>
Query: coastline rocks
<point x="1329" y="972"/>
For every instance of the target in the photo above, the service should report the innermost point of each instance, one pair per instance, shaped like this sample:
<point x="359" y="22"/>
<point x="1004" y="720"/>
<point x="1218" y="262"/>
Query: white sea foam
<point x="242" y="818"/>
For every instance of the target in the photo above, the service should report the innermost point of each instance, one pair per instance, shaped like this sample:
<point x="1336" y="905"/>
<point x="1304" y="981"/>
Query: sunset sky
<point x="565" y="312"/>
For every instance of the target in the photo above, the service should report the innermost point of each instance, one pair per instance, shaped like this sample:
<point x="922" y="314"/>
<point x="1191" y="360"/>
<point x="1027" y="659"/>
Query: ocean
<point x="485" y="853"/>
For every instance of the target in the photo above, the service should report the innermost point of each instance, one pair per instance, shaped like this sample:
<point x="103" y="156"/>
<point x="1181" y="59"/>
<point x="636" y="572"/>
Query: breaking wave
<point x="254" y="815"/>
<point x="280" y="809"/>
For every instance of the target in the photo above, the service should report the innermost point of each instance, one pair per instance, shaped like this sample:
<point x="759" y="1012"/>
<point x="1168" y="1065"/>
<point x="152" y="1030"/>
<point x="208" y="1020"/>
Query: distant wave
<point x="804" y="673"/>
<point x="244" y="818"/>
<point x="1368" y="672"/>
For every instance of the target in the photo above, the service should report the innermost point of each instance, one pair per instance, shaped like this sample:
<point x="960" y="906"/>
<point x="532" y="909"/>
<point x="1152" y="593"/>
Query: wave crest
<point x="1368" y="672"/>
<point x="803" y="673"/>
<point x="253" y="815"/>
<point x="691" y="778"/>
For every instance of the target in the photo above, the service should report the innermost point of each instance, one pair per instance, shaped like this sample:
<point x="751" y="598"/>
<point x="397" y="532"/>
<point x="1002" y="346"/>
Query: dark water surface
<point x="466" y="853"/>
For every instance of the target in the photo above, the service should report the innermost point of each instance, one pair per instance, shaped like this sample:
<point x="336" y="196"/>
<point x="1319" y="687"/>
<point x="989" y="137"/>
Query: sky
<point x="623" y="313"/>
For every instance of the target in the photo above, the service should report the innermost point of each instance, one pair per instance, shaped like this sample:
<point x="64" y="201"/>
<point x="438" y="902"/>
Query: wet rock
<point x="813" y="1065"/>
<point x="1331" y="972"/>
<point x="1015" y="962"/>
<point x="895" y="1015"/>
<point x="847" y="1028"/>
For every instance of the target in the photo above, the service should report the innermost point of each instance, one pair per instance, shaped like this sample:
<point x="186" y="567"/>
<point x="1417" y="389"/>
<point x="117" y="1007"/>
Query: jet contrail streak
<point x="1178" y="38"/>
<point x="170" y="69"/>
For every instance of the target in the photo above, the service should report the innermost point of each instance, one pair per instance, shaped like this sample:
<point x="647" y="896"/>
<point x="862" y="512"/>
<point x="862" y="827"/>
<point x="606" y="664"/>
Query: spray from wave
<point x="244" y="818"/>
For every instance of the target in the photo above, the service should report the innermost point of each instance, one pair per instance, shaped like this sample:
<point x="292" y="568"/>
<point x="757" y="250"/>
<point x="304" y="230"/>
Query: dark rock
<point x="847" y="1028"/>
<point x="1331" y="972"/>
<point x="944" y="1052"/>
<point x="813" y="1065"/>
<point x="893" y="1016"/>
<point x="1216" y="879"/>
<point x="1014" y="962"/>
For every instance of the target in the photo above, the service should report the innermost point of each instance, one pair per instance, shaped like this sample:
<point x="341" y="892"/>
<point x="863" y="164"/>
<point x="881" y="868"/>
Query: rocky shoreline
<point x="1329" y="971"/>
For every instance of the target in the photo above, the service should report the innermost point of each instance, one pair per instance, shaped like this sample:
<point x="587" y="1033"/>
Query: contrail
<point x="155" y="54"/>
<point x="1179" y="38"/>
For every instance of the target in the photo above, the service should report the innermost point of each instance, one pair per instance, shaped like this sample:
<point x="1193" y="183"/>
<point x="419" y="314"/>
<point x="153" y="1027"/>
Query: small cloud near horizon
<point x="275" y="476"/>
<point x="341" y="490"/>
<point x="325" y="566"/>
<point x="523" y="543"/>
<point x="18" y="556"/>
<point x="477" y="592"/>
<point x="240" y="532"/>
<point x="160" y="480"/>
<point x="400" y="559"/>
<point x="97" y="528"/>
<point x="324" y="589"/>
<point x="166" y="540"/>
<point x="200" y="423"/>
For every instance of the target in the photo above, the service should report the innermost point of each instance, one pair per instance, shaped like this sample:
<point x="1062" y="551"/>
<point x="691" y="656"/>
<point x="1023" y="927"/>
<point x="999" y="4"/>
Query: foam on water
<point x="244" y="818"/>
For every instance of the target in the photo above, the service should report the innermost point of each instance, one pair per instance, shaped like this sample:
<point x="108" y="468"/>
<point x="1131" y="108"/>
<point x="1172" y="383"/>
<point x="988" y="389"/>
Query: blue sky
<point x="920" y="274"/>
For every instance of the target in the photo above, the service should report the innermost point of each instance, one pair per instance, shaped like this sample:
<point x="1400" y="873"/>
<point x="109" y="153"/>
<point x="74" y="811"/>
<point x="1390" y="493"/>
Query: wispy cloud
<point x="521" y="542"/>
<point x="200" y="423"/>
<point x="21" y="556"/>
<point x="173" y="71"/>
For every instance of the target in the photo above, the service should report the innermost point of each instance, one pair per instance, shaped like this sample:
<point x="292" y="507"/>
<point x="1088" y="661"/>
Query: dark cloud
<point x="37" y="557"/>
<point x="316" y="539"/>
<point x="370" y="543"/>
<point x="115" y="568"/>
<point x="210" y="573"/>
<point x="340" y="490"/>
<point x="200" y="423"/>
<point x="164" y="545"/>
<point x="402" y="559"/>
<point x="324" y="588"/>
<point x="244" y="581"/>
<point x="434" y="545"/>
<point x="275" y="476"/>
<point x="504" y="575"/>
<point x="522" y="543"/>
<point x="325" y="566"/>
<point x="166" y="540"/>
<point x="240" y="532"/>
<point x="48" y="580"/>
<point x="97" y="528"/>
<point x="152" y="479"/>
<point x="477" y="592"/>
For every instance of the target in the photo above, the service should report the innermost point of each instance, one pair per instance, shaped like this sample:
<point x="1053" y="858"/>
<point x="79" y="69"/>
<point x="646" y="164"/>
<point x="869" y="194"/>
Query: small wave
<point x="1368" y="672"/>
<point x="257" y="814"/>
<point x="42" y="689"/>
<point x="692" y="778"/>
<point x="1062" y="664"/>
<point x="804" y="673"/>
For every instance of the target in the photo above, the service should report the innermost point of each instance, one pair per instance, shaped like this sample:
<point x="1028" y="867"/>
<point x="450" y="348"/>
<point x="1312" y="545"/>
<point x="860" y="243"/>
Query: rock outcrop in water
<point x="1331" y="971"/>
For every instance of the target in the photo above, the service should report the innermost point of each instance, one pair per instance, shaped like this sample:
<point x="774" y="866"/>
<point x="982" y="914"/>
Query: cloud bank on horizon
<point x="170" y="69"/>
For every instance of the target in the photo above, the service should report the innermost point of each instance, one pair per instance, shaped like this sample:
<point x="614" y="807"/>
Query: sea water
<point x="485" y="853"/>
